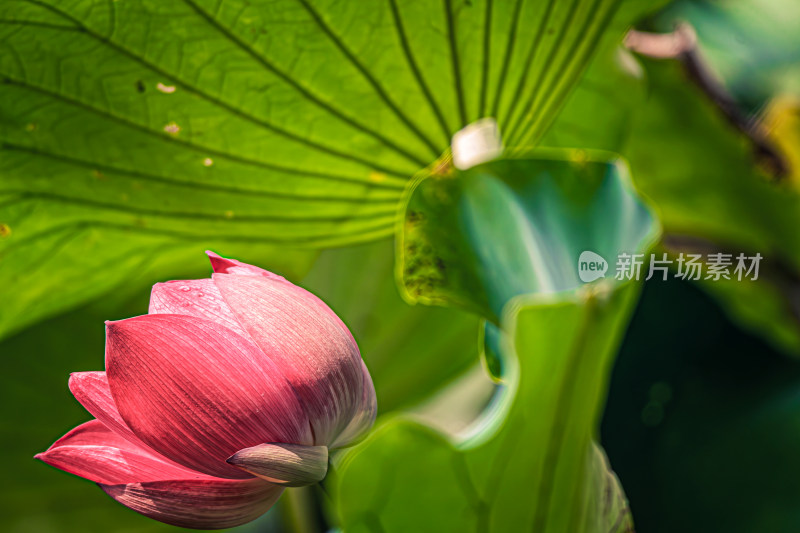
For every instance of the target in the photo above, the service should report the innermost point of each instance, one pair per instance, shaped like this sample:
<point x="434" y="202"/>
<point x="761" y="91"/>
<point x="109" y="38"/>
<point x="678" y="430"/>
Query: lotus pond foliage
<point x="425" y="328"/>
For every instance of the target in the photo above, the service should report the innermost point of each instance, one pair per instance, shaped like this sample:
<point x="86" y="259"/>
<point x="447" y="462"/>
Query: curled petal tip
<point x="288" y="465"/>
<point x="114" y="328"/>
<point x="113" y="324"/>
<point x="223" y="265"/>
<point x="126" y="324"/>
<point x="215" y="259"/>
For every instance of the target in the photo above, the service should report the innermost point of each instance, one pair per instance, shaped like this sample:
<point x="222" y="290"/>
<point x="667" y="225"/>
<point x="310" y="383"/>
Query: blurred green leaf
<point x="752" y="45"/>
<point x="781" y="119"/>
<point x="142" y="129"/>
<point x="702" y="176"/>
<point x="503" y="239"/>
<point x="701" y="172"/>
<point x="600" y="111"/>
<point x="539" y="472"/>
<point x="411" y="351"/>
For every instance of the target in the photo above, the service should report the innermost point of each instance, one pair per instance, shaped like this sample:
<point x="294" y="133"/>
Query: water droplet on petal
<point x="185" y="288"/>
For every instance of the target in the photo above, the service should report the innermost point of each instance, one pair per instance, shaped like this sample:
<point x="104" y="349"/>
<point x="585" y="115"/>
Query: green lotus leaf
<point x="134" y="132"/>
<point x="503" y="239"/>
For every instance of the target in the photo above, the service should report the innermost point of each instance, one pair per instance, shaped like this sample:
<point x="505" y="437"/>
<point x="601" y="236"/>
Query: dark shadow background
<point x="702" y="423"/>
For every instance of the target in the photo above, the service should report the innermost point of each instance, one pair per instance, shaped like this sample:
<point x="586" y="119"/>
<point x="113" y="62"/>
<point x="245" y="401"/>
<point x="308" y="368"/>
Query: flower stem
<point x="300" y="514"/>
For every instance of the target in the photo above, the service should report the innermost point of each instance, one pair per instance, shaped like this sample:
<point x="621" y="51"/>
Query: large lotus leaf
<point x="130" y="129"/>
<point x="530" y="462"/>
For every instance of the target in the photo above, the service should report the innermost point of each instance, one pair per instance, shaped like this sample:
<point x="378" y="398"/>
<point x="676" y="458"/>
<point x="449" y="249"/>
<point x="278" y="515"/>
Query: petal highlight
<point x="308" y="342"/>
<point x="195" y="297"/>
<point x="364" y="418"/>
<point x="197" y="392"/>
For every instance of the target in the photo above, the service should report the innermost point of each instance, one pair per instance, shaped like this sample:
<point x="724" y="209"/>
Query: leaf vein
<point x="451" y="36"/>
<point x="28" y="195"/>
<point x="195" y="185"/>
<point x="303" y="91"/>
<point x="415" y="70"/>
<point x="216" y="101"/>
<point x="203" y="150"/>
<point x="379" y="90"/>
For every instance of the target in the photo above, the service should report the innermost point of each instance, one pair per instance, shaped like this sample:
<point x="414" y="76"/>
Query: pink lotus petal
<point x="92" y="433"/>
<point x="196" y="297"/>
<point x="96" y="453"/>
<point x="213" y="504"/>
<point x="198" y="392"/>
<point x="223" y="265"/>
<point x="158" y="489"/>
<point x="365" y="415"/>
<point x="92" y="391"/>
<point x="308" y="342"/>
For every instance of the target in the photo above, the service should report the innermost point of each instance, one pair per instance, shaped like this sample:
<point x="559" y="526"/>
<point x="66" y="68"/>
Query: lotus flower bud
<point x="229" y="390"/>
